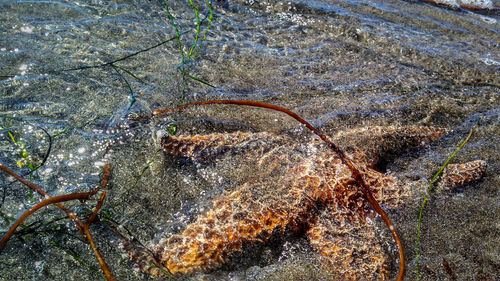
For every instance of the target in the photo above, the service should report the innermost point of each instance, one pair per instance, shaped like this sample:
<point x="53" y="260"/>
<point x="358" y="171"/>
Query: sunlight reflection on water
<point x="338" y="64"/>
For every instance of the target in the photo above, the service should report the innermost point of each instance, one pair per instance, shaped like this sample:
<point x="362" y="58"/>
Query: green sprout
<point x="426" y="196"/>
<point x="186" y="58"/>
<point x="20" y="146"/>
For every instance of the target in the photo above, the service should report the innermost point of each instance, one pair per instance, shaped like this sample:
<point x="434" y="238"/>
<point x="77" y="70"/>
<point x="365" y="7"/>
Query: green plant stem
<point x="132" y="95"/>
<point x="177" y="34"/>
<point x="127" y="56"/>
<point x="198" y="25"/>
<point x="137" y="179"/>
<point x="210" y="18"/>
<point x="76" y="257"/>
<point x="426" y="196"/>
<point x="130" y="73"/>
<point x="187" y="58"/>
<point x="200" y="80"/>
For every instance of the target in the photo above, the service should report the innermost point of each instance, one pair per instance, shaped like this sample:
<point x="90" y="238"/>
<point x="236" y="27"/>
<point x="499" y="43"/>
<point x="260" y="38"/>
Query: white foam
<point x="488" y="19"/>
<point x="485" y="4"/>
<point x="482" y="4"/>
<point x="451" y="3"/>
<point x="489" y="61"/>
<point x="27" y="29"/>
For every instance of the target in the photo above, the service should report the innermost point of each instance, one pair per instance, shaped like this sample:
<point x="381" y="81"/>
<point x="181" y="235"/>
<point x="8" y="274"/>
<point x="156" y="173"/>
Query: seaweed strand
<point x="426" y="197"/>
<point x="125" y="57"/>
<point x="82" y="227"/>
<point x="186" y="58"/>
<point x="43" y="203"/>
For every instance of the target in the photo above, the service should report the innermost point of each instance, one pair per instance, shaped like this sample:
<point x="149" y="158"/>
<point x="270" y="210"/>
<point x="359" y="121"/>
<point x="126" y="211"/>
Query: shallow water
<point x="339" y="65"/>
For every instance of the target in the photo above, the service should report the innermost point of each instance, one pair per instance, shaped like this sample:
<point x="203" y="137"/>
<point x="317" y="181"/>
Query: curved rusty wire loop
<point x="356" y="174"/>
